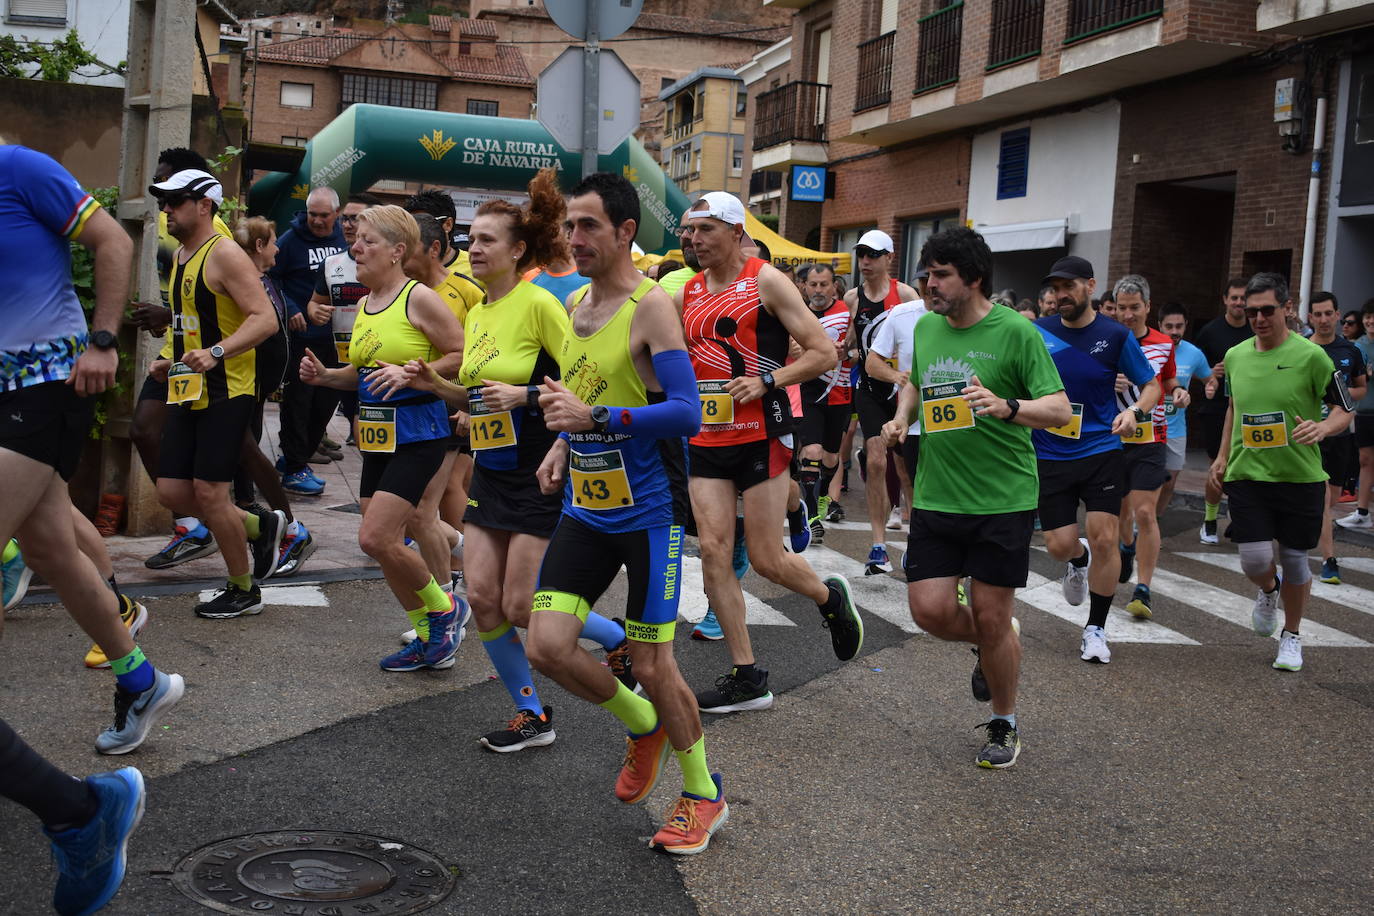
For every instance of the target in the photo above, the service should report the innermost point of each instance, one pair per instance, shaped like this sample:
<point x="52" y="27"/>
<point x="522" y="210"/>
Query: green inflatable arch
<point x="368" y="143"/>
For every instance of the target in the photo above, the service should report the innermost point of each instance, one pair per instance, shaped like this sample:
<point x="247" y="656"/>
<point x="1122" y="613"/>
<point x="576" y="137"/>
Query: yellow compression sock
<point x="635" y="711"/>
<point x="696" y="776"/>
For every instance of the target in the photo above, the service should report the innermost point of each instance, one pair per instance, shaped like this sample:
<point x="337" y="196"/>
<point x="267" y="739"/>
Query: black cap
<point x="920" y="274"/>
<point x="1071" y="267"/>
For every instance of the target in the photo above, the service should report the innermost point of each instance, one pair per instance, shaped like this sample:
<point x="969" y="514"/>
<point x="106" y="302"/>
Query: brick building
<point x="703" y="130"/>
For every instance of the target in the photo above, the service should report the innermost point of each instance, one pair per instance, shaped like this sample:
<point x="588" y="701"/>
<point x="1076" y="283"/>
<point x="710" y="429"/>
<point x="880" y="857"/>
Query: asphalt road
<point x="1187" y="776"/>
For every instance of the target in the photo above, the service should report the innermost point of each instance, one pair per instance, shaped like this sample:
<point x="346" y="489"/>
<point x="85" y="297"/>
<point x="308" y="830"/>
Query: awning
<point x="1045" y="233"/>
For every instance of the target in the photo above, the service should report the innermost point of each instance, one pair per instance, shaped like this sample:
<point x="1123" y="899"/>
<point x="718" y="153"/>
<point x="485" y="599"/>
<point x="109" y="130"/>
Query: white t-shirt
<point x="895" y="338"/>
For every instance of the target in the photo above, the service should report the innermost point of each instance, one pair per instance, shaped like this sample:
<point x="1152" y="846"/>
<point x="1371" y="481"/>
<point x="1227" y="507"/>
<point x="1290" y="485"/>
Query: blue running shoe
<point x="877" y="561"/>
<point x="313" y="476"/>
<point x="184" y="545"/>
<point x="740" y="558"/>
<point x="136" y="713"/>
<point x="302" y="483"/>
<point x="295" y="550"/>
<point x="709" y="628"/>
<point x="411" y="658"/>
<point x="444" y="635"/>
<point x="799" y="530"/>
<point x="90" y="860"/>
<point x="16" y="575"/>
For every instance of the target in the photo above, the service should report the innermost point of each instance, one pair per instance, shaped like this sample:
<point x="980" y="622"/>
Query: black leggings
<point x="27" y="778"/>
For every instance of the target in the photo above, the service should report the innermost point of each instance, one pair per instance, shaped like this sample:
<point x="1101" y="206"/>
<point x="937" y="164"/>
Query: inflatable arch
<point x="368" y="143"/>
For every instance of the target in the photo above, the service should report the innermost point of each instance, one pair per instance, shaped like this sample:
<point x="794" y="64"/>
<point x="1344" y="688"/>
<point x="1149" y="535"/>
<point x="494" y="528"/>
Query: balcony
<point x="790" y="125"/>
<point x="937" y="56"/>
<point x="1088" y="18"/>
<point x="873" y="88"/>
<point x="1016" y="29"/>
<point x="1312" y="17"/>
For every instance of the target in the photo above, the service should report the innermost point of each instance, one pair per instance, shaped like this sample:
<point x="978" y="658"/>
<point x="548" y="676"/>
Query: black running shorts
<point x="1364" y="430"/>
<point x="1097" y="481"/>
<point x="49" y="423"/>
<point x="511" y="501"/>
<point x="823" y="425"/>
<point x="994" y="549"/>
<point x="1290" y="513"/>
<point x="747" y="465"/>
<point x="1340" y="459"/>
<point x="405" y="472"/>
<point x="205" y="444"/>
<point x="1143" y="466"/>
<point x="873" y="411"/>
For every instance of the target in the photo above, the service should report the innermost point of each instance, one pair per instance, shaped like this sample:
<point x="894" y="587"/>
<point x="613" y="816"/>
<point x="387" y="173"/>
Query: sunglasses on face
<point x="176" y="200"/>
<point x="349" y="218"/>
<point x="868" y="253"/>
<point x="1267" y="311"/>
<point x="1349" y="321"/>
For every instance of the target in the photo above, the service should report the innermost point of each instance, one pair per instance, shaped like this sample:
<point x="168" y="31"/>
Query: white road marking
<point x="284" y="595"/>
<point x="1047" y="595"/>
<point x="1353" y="597"/>
<point x="882" y="596"/>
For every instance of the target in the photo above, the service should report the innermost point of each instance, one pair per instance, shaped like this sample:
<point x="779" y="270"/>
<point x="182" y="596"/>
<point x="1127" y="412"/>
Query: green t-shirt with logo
<point x="973" y="465"/>
<point x="1270" y="390"/>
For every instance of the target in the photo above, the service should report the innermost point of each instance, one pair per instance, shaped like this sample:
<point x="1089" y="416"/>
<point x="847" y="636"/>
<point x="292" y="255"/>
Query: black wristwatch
<point x="1014" y="406"/>
<point x="532" y="398"/>
<point x="768" y="383"/>
<point x="217" y="351"/>
<point x="104" y="340"/>
<point x="601" y="417"/>
<point x="1141" y="416"/>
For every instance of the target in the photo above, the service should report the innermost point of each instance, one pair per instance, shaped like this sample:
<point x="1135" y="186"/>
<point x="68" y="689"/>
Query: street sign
<point x="561" y="100"/>
<point x="808" y="183"/>
<point x="612" y="17"/>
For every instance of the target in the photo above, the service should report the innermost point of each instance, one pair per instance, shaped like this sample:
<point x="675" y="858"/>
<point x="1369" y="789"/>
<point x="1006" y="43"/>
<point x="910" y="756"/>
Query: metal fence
<point x="1017" y="26"/>
<point x="874" y="85"/>
<point x="937" y="60"/>
<point x="1088" y="17"/>
<point x="795" y="111"/>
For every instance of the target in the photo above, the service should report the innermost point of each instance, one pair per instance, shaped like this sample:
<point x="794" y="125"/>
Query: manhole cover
<point x="313" y="873"/>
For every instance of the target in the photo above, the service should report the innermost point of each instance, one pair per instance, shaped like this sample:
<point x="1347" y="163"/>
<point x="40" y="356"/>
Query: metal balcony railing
<point x="795" y="111"/>
<point x="1016" y="29"/>
<point x="937" y="54"/>
<point x="874" y="86"/>
<point x="1090" y="17"/>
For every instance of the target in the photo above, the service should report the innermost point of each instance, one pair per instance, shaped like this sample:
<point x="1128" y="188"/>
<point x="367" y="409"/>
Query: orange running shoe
<point x="644" y="759"/>
<point x="691" y="823"/>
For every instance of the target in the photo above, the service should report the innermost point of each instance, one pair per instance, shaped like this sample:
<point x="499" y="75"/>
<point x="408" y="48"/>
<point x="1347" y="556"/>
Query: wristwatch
<point x="104" y="340"/>
<point x="1013" y="405"/>
<point x="768" y="383"/>
<point x="532" y="398"/>
<point x="1141" y="416"/>
<point x="217" y="351"/>
<point x="601" y="417"/>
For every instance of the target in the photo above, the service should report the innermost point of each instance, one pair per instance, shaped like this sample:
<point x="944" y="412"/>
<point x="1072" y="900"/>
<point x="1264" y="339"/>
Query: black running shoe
<point x="1127" y="563"/>
<point x="733" y="693"/>
<point x="817" y="532"/>
<point x="232" y="601"/>
<point x="835" y="513"/>
<point x="1003" y="747"/>
<point x="845" y="625"/>
<point x="264" y="548"/>
<point x="981" y="691"/>
<point x="618" y="660"/>
<point x="525" y="730"/>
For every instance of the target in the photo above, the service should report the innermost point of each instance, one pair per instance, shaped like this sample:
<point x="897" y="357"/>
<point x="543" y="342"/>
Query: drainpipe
<point x="1309" y="239"/>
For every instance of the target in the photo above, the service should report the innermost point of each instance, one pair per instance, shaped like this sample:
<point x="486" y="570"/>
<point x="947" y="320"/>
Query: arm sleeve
<point x="679" y="414"/>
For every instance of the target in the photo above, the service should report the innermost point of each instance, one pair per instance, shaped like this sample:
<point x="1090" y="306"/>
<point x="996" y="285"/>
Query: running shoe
<point x="978" y="682"/>
<point x="232" y="601"/>
<point x="525" y="730"/>
<point x="1290" y="652"/>
<point x="618" y="660"/>
<point x="1139" y="606"/>
<point x="799" y="532"/>
<point x="1075" y="583"/>
<point x="134" y="616"/>
<point x="184" y="545"/>
<point x="817" y="531"/>
<point x="91" y="859"/>
<point x="315" y="477"/>
<point x="822" y="508"/>
<point x="1264" y="616"/>
<point x="445" y="635"/>
<point x="878" y="562"/>
<point x="1208" y="533"/>
<point x="411" y="658"/>
<point x="733" y="693"/>
<point x="321" y="457"/>
<point x="709" y="628"/>
<point x="137" y="713"/>
<point x="1003" y="747"/>
<point x="894" y="521"/>
<point x="845" y="626"/>
<point x="835" y="513"/>
<point x="329" y="444"/>
<point x="1127" y="563"/>
<point x="264" y="549"/>
<point x="1095" y="647"/>
<point x="739" y="558"/>
<point x="691" y="823"/>
<point x="294" y="550"/>
<point x="302" y="483"/>
<point x="16" y="575"/>
<point x="1347" y="496"/>
<point x="645" y="756"/>
<point x="1356" y="520"/>
<point x="1331" y="571"/>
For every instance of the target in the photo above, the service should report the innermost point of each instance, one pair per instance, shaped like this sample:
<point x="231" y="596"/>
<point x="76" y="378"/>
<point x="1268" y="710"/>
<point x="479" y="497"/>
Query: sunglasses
<point x="176" y="199"/>
<point x="868" y="253"/>
<point x="1255" y="311"/>
<point x="1350" y="321"/>
<point x="349" y="218"/>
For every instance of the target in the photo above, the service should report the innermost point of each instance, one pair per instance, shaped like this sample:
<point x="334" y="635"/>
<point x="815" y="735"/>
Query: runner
<point x="1271" y="467"/>
<point x="874" y="400"/>
<point x="739" y="315"/>
<point x="982" y="379"/>
<point x="1189" y="363"/>
<point x="1364" y="430"/>
<point x="1082" y="461"/>
<point x="220" y="313"/>
<point x="625" y="402"/>
<point x="402" y="435"/>
<point x="825" y="400"/>
<point x="1147" y="445"/>
<point x="1107" y="305"/>
<point x="1339" y="455"/>
<point x="889" y="360"/>
<point x="1215" y="340"/>
<point x="440" y="205"/>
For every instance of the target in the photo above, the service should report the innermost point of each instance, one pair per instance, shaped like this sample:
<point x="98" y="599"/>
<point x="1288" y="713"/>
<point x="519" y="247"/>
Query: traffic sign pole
<point x="591" y="90"/>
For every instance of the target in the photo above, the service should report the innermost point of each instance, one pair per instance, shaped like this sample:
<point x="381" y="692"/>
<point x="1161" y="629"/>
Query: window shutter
<point x="1013" y="164"/>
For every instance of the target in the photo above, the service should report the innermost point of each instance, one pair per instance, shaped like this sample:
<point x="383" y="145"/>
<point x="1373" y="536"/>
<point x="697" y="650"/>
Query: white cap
<point x="193" y="181"/>
<point x="719" y="205"/>
<point x="876" y="239"/>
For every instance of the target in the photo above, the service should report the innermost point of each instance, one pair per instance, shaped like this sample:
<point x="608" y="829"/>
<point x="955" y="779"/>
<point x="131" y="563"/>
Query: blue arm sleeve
<point x="678" y="415"/>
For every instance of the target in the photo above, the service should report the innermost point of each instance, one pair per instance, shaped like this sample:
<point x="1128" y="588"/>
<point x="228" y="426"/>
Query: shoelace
<point x="999" y="732"/>
<point x="683" y="818"/>
<point x="618" y="657"/>
<point x="124" y="701"/>
<point x="522" y="718"/>
<point x="631" y="761"/>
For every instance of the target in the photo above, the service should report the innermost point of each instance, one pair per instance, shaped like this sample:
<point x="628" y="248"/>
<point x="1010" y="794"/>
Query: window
<point x="294" y="141"/>
<point x="914" y="235"/>
<point x="741" y="102"/>
<point x="1364" y="110"/>
<point x="699" y="108"/>
<point x="297" y="95"/>
<point x="464" y="47"/>
<point x="38" y="12"/>
<point x="736" y="152"/>
<point x="483" y="107"/>
<point x="386" y="90"/>
<point x="1012" y="164"/>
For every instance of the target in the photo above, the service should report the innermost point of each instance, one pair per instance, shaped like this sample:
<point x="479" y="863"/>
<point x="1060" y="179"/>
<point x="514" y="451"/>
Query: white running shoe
<point x="1265" y="616"/>
<point x="894" y="521"/>
<point x="1356" y="520"/>
<point x="1290" y="652"/>
<point x="1075" y="580"/>
<point x="1095" y="646"/>
<point x="1208" y="533"/>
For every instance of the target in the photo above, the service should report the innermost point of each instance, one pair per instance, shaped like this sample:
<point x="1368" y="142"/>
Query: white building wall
<point x="102" y="25"/>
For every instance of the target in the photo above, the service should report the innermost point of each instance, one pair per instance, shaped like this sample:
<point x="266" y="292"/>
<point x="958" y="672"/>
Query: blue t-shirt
<point x="1189" y="363"/>
<point x="42" y="327"/>
<point x="1088" y="360"/>
<point x="562" y="285"/>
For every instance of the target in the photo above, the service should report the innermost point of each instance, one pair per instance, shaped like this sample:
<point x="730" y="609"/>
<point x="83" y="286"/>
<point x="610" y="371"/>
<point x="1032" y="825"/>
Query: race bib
<point x="943" y="408"/>
<point x="1072" y="429"/>
<point x="341" y="339"/>
<point x="716" y="404"/>
<point x="1263" y="430"/>
<point x="1144" y="434"/>
<point x="599" y="481"/>
<point x="489" y="429"/>
<point x="1169" y="407"/>
<point x="377" y="430"/>
<point x="184" y="384"/>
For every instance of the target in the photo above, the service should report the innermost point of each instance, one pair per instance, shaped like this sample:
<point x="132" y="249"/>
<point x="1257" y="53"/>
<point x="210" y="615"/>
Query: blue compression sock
<point x="1011" y="718"/>
<point x="599" y="629"/>
<point x="133" y="672"/>
<point x="507" y="656"/>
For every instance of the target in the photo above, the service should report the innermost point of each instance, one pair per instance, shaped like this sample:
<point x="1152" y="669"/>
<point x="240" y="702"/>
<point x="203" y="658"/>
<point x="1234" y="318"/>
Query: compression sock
<point x="637" y="713"/>
<point x="11" y="551"/>
<point x="133" y="672"/>
<point x="1081" y="560"/>
<point x="1209" y="514"/>
<point x="696" y="776"/>
<point x="1098" y="606"/>
<point x="436" y="601"/>
<point x="507" y="656"/>
<point x="809" y="479"/>
<point x="1009" y="717"/>
<point x="244" y="582"/>
<point x="827" y="475"/>
<point x="419" y="619"/>
<point x="602" y="630"/>
<point x="251" y="526"/>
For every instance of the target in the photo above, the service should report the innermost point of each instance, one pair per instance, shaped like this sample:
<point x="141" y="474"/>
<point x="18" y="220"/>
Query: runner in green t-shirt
<point x="982" y="379"/>
<point x="1270" y="463"/>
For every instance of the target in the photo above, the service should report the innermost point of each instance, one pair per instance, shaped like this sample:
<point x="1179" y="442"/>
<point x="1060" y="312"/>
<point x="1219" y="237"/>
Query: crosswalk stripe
<point x="1357" y="599"/>
<point x="692" y="605"/>
<point x="882" y="596"/>
<point x="1046" y="595"/>
<point x="283" y="595"/>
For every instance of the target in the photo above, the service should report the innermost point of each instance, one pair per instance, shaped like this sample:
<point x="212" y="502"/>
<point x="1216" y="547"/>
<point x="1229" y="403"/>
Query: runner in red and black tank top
<point x="868" y="317"/>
